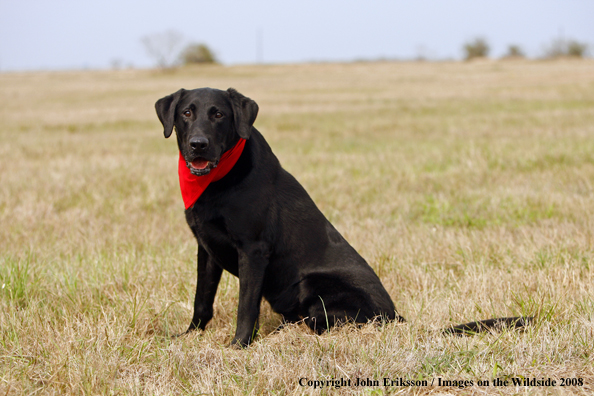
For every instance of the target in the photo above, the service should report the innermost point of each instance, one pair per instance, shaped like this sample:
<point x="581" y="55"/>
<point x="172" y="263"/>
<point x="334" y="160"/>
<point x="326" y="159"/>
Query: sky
<point x="90" y="34"/>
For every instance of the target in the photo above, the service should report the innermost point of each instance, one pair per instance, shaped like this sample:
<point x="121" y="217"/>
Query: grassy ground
<point x="469" y="187"/>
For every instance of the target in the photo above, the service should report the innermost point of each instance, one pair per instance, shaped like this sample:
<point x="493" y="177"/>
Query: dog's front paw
<point x="239" y="343"/>
<point x="191" y="328"/>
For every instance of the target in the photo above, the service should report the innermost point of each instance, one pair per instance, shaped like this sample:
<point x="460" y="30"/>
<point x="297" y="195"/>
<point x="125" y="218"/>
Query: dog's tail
<point x="489" y="324"/>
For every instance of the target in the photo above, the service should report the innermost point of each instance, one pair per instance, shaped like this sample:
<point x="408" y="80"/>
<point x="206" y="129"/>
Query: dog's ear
<point x="245" y="111"/>
<point x="166" y="111"/>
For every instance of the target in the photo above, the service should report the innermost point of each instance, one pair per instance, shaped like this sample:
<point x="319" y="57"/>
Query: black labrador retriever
<point x="259" y="223"/>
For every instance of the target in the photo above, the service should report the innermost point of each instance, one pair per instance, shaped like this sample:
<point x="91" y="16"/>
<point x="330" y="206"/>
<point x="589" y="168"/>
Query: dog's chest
<point x="215" y="234"/>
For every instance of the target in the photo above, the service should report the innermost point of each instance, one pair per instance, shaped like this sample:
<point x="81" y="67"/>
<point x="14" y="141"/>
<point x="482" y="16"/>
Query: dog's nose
<point x="199" y="143"/>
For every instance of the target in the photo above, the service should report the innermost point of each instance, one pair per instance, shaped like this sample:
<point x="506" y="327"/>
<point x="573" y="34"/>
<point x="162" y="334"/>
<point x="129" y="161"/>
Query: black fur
<point x="498" y="323"/>
<point x="260" y="224"/>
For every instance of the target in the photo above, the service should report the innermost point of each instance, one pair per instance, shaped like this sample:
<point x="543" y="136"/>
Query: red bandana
<point x="193" y="186"/>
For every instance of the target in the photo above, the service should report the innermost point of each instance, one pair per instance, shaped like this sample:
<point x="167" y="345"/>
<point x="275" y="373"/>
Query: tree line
<point x="168" y="51"/>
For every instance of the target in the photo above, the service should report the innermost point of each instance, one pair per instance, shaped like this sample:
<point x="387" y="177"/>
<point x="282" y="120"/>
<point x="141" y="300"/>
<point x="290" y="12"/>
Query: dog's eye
<point x="187" y="113"/>
<point x="218" y="114"/>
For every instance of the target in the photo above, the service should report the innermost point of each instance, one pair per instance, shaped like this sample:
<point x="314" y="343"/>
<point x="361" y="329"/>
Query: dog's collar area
<point x="193" y="181"/>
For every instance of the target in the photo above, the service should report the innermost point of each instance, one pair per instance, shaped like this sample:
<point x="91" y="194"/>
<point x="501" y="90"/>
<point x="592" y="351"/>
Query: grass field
<point x="468" y="187"/>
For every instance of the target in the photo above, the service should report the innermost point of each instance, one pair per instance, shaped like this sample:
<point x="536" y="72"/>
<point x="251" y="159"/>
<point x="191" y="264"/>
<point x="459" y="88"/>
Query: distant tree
<point x="514" y="51"/>
<point x="197" y="53"/>
<point x="577" y="49"/>
<point x="163" y="47"/>
<point x="478" y="48"/>
<point x="562" y="48"/>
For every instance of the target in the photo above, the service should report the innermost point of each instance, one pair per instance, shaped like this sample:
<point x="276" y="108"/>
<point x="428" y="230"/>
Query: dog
<point x="253" y="219"/>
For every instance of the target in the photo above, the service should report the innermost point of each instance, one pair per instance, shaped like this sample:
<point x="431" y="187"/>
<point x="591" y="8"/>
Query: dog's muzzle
<point x="201" y="166"/>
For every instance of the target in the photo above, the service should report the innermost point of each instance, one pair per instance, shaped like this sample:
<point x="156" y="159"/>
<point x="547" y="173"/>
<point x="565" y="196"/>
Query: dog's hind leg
<point x="325" y="313"/>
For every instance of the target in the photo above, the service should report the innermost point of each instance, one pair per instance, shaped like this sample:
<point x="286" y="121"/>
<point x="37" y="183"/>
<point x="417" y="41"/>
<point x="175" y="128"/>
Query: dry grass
<point x="468" y="187"/>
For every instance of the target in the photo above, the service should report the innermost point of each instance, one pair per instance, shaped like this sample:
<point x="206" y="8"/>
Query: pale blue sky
<point x="67" y="34"/>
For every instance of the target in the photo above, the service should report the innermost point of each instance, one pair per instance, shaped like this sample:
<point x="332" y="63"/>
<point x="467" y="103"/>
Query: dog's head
<point x="207" y="122"/>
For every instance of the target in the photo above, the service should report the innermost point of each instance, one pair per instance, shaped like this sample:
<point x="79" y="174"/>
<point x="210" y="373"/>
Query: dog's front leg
<point x="209" y="275"/>
<point x="252" y="267"/>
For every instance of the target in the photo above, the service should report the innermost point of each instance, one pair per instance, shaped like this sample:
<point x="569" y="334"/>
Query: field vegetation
<point x="468" y="187"/>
